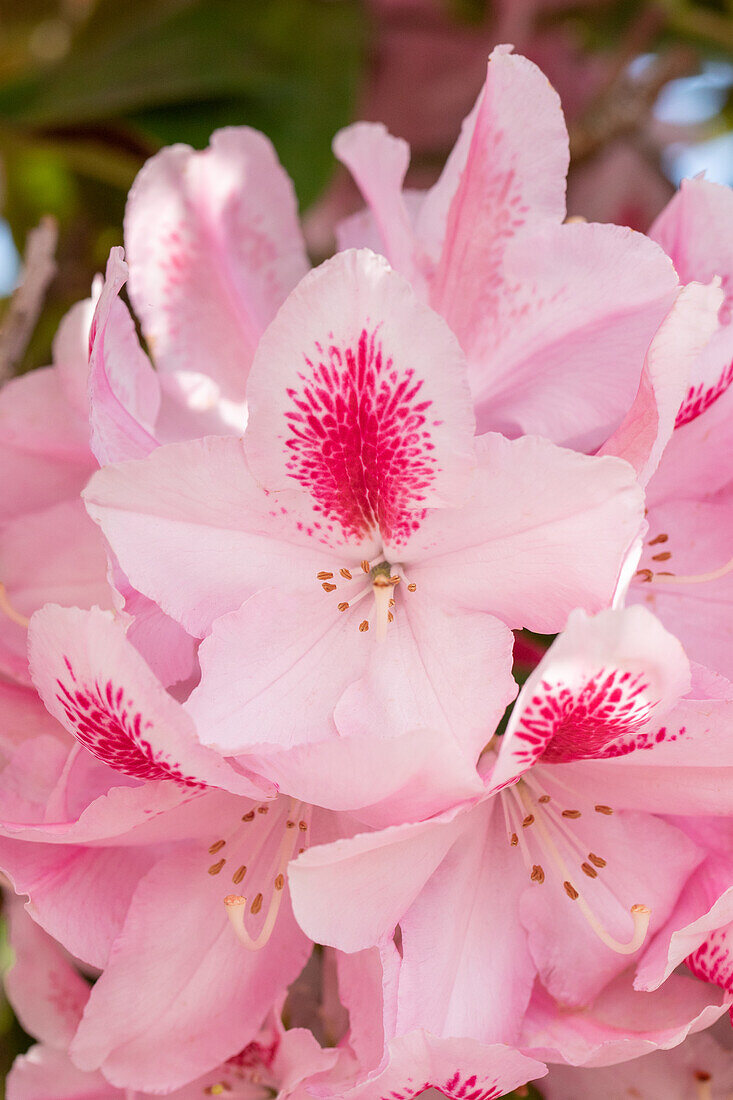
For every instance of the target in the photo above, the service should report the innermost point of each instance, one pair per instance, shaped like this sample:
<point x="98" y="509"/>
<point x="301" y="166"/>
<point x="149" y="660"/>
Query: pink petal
<point x="44" y="444"/>
<point x="545" y="531"/>
<point x="124" y="393"/>
<point x="562" y="353"/>
<point x="381" y="781"/>
<point x="434" y="691"/>
<point x="96" y="684"/>
<point x="507" y="174"/>
<point x="197" y="504"/>
<point x="621" y="1024"/>
<point x="458" y="1068"/>
<point x="79" y="895"/>
<point x="378" y="163"/>
<point x="675" y="1075"/>
<point x="23" y="716"/>
<point x="165" y="646"/>
<point x="47" y="993"/>
<point x="682" y="336"/>
<point x="358" y="396"/>
<point x="402" y="858"/>
<point x="695" y="462"/>
<point x="47" y="1074"/>
<point x="693" y="230"/>
<point x="55" y="554"/>
<point x="465" y="921"/>
<point x="441" y="666"/>
<point x="218" y="228"/>
<point x="272" y="672"/>
<point x="71" y="353"/>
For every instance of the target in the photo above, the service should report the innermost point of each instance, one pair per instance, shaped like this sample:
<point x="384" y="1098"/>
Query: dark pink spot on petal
<point x="713" y="960"/>
<point x="580" y="723"/>
<point x="113" y="733"/>
<point x="359" y="440"/>
<point x="699" y="398"/>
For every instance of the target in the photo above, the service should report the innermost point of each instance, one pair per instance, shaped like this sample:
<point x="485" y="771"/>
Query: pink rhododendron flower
<point x="349" y="479"/>
<point x="607" y="734"/>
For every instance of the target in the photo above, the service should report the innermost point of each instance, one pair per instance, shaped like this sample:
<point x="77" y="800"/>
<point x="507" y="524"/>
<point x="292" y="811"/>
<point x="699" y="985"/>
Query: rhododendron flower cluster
<point x="275" y="816"/>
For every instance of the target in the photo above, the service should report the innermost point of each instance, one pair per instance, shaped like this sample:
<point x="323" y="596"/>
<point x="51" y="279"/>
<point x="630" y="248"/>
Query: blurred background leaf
<point x="90" y="90"/>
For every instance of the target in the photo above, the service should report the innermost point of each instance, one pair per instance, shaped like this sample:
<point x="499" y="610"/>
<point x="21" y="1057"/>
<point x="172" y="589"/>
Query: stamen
<point x="640" y="914"/>
<point x="324" y="576"/>
<point x="658" y="539"/>
<point x="239" y="874"/>
<point x="365" y="566"/>
<point x="219" y="844"/>
<point x="588" y="870"/>
<point x="216" y="867"/>
<point x="603" y="810"/>
<point x="364" y="625"/>
<point x="346" y="574"/>
<point x="516" y="807"/>
<point x="343" y="606"/>
<point x="597" y="861"/>
<point x="412" y="587"/>
<point x="698" y="578"/>
<point x="571" y="813"/>
<point x="7" y="608"/>
<point x="664" y="556"/>
<point x="236" y="905"/>
<point x="538" y="875"/>
<point x="328" y="587"/>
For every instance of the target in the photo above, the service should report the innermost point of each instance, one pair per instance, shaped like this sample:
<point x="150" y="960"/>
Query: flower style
<point x="370" y="599"/>
<point x="566" y="859"/>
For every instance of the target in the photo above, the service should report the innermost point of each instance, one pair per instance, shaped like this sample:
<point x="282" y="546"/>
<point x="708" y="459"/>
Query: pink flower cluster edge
<point x="284" y="820"/>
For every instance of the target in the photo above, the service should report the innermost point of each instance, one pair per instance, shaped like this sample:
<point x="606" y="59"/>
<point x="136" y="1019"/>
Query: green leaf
<point x="177" y="69"/>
